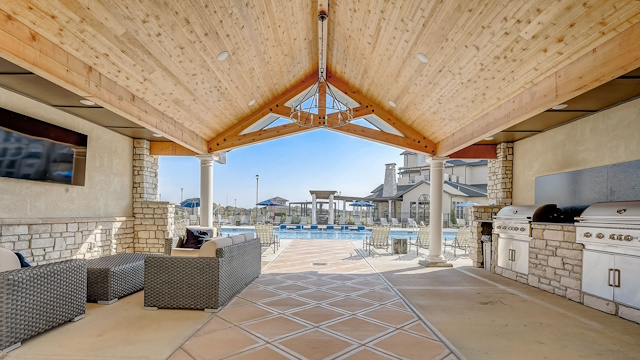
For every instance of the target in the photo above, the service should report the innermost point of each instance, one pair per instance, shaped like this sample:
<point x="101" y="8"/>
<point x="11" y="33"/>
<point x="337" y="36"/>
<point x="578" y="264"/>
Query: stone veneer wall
<point x="43" y="241"/>
<point x="555" y="260"/>
<point x="154" y="221"/>
<point x="479" y="214"/>
<point x="500" y="182"/>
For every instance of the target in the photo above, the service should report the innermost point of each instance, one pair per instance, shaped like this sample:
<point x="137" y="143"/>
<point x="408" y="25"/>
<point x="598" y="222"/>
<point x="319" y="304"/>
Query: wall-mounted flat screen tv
<point x="32" y="149"/>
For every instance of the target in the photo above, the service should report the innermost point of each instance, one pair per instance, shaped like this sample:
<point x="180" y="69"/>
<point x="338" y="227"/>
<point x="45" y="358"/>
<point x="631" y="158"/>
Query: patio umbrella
<point x="191" y="203"/>
<point x="269" y="204"/>
<point x="465" y="204"/>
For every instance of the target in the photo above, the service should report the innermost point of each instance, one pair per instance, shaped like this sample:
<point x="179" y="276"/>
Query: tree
<point x="454" y="221"/>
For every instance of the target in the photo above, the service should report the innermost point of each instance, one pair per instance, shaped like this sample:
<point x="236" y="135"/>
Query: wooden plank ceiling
<point x="155" y="62"/>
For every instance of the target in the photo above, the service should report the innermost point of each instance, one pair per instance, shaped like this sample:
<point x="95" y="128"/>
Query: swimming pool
<point x="333" y="234"/>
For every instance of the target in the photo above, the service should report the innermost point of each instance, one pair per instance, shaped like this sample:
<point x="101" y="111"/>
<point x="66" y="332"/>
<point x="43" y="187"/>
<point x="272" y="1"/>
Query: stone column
<point x="435" y="258"/>
<point x="331" y="216"/>
<point x="500" y="182"/>
<point x="313" y="209"/>
<point x="206" y="189"/>
<point x="145" y="172"/>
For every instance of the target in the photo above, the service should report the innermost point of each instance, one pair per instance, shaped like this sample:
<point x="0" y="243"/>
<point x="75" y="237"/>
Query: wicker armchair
<point x="38" y="298"/>
<point x="204" y="283"/>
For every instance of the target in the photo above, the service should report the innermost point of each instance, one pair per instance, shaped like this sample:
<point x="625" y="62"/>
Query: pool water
<point x="333" y="234"/>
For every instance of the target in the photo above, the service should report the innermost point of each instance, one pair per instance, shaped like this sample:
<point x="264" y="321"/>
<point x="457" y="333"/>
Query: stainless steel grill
<point x="611" y="260"/>
<point x="513" y="226"/>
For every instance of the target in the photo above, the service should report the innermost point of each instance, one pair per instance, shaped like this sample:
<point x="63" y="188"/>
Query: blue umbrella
<point x="467" y="203"/>
<point x="361" y="203"/>
<point x="268" y="203"/>
<point x="191" y="203"/>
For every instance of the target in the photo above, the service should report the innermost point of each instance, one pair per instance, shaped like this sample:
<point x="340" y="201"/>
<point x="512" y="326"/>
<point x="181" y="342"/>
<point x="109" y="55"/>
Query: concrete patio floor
<point x="301" y="308"/>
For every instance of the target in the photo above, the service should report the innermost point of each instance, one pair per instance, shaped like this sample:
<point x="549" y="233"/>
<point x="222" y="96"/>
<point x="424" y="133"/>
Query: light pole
<point x="181" y="194"/>
<point x="257" y="178"/>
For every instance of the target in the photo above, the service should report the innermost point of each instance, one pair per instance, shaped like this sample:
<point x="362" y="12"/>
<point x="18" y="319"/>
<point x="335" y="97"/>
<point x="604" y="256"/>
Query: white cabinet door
<point x="521" y="254"/>
<point x="504" y="248"/>
<point x="596" y="275"/>
<point x="627" y="277"/>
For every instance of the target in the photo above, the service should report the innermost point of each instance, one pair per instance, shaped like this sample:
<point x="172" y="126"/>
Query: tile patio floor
<point x="317" y="300"/>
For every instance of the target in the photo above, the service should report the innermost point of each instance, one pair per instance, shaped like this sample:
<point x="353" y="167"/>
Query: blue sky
<point x="288" y="167"/>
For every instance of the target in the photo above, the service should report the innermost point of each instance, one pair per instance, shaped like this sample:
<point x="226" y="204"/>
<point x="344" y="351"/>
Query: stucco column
<point x="435" y="258"/>
<point x="206" y="189"/>
<point x="344" y="209"/>
<point x="313" y="210"/>
<point x="331" y="210"/>
<point x="389" y="211"/>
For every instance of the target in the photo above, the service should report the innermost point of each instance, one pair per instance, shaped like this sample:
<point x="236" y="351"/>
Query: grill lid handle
<point x="621" y="211"/>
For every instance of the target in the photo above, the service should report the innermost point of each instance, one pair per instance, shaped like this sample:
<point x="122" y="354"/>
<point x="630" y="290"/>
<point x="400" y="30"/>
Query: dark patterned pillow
<point x="195" y="238"/>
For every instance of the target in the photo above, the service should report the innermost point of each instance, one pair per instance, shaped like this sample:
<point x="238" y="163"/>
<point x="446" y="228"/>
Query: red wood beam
<point x="476" y="152"/>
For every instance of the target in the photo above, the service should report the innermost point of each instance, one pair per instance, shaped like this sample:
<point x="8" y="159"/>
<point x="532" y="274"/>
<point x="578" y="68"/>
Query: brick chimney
<point x="390" y="187"/>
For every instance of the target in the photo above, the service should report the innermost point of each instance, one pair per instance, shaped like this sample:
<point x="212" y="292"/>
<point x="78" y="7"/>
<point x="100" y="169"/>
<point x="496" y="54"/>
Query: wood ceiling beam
<point x="612" y="59"/>
<point x="478" y="151"/>
<point x="165" y="148"/>
<point x="28" y="49"/>
<point x="418" y="141"/>
<point x="276" y="132"/>
<point x="379" y="137"/>
<point x="274" y="106"/>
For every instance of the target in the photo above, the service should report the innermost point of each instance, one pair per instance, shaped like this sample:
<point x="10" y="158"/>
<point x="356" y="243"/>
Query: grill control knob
<point x="612" y="237"/>
<point x="587" y="235"/>
<point x="600" y="235"/>
<point x="619" y="237"/>
<point x="522" y="229"/>
<point x="628" y="238"/>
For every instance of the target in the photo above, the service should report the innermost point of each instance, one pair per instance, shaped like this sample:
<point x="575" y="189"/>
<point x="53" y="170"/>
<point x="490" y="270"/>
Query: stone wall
<point x="555" y="260"/>
<point x="154" y="221"/>
<point x="479" y="214"/>
<point x="43" y="241"/>
<point x="500" y="182"/>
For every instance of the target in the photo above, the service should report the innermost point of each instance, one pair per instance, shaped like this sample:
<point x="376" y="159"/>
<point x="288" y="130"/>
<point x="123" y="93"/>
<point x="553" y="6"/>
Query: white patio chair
<point x="304" y="220"/>
<point x="341" y="220"/>
<point x="276" y="220"/>
<point x="394" y="222"/>
<point x="422" y="240"/>
<point x="461" y="241"/>
<point x="379" y="239"/>
<point x="411" y="223"/>
<point x="383" y="222"/>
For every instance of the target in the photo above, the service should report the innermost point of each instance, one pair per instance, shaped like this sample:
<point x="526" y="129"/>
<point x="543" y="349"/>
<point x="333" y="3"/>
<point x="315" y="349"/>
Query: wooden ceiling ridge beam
<point x="276" y="132"/>
<point x="25" y="47"/>
<point x="418" y="141"/>
<point x="378" y="136"/>
<point x="274" y="106"/>
<point x="607" y="61"/>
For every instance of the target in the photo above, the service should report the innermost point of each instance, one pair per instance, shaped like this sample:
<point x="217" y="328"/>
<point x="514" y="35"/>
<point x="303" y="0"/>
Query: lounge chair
<point x="461" y="241"/>
<point x="379" y="239"/>
<point x="422" y="240"/>
<point x="394" y="222"/>
<point x="384" y="222"/>
<point x="369" y="221"/>
<point x="341" y="220"/>
<point x="411" y="223"/>
<point x="304" y="221"/>
<point x="260" y="220"/>
<point x="231" y="220"/>
<point x="267" y="237"/>
<point x="276" y="220"/>
<point x="422" y="223"/>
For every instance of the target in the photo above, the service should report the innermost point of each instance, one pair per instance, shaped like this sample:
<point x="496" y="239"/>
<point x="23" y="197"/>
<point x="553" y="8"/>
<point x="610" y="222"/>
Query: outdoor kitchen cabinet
<point x="513" y="255"/>
<point x="612" y="277"/>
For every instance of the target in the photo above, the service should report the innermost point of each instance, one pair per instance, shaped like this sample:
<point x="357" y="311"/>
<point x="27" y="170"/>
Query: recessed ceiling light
<point x="157" y="135"/>
<point x="488" y="138"/>
<point x="223" y="55"/>
<point x="422" y="57"/>
<point x="87" y="102"/>
<point x="559" y="106"/>
<point x="392" y="103"/>
<point x="253" y="101"/>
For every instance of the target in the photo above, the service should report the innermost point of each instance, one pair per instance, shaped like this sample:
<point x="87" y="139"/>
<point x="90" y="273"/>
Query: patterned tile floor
<point x="317" y="300"/>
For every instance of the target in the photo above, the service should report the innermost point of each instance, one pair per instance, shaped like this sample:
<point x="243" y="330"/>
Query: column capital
<point x="206" y="159"/>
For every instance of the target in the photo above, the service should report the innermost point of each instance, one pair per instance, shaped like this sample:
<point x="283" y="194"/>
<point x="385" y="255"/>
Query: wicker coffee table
<point x="112" y="277"/>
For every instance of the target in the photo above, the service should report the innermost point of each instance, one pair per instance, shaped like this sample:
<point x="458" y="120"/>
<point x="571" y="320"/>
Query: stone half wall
<point x="154" y="221"/>
<point x="555" y="260"/>
<point x="479" y="214"/>
<point x="43" y="241"/>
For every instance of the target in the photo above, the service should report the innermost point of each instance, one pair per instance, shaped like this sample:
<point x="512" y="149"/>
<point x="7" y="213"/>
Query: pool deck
<point x="298" y="303"/>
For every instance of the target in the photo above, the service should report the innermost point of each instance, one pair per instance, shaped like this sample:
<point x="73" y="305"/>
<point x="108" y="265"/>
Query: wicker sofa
<point x="205" y="282"/>
<point x="38" y="298"/>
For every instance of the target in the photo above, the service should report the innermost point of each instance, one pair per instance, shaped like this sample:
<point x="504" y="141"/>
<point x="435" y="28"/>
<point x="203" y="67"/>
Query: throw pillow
<point x="195" y="238"/>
